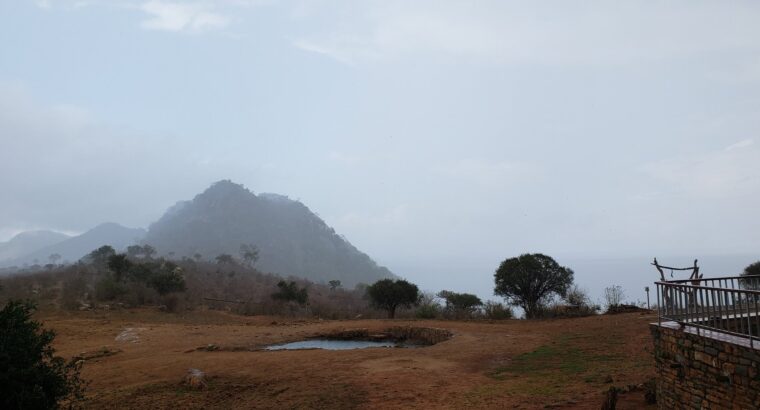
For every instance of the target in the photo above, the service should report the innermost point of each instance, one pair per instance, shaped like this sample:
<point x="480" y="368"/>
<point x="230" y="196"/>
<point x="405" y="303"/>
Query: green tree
<point x="460" y="304"/>
<point x="334" y="284"/>
<point x="529" y="280"/>
<point x="752" y="283"/>
<point x="99" y="257"/>
<point x="120" y="265"/>
<point x="31" y="376"/>
<point x="290" y="292"/>
<point x="225" y="259"/>
<point x="249" y="254"/>
<point x="148" y="251"/>
<point x="167" y="279"/>
<point x="388" y="295"/>
<point x="752" y="269"/>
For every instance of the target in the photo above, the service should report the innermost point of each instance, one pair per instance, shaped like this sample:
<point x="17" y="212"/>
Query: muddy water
<point x="328" y="344"/>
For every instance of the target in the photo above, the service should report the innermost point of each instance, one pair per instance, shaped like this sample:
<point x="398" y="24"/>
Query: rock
<point x="209" y="347"/>
<point x="129" y="334"/>
<point x="195" y="379"/>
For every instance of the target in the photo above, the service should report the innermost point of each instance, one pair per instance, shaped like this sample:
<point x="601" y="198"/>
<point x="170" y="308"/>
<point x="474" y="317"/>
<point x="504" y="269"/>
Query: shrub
<point x="167" y="279"/>
<point x="108" y="288"/>
<point x="460" y="305"/>
<point x="31" y="376"/>
<point x="497" y="311"/>
<point x="613" y="296"/>
<point x="428" y="308"/>
<point x="289" y="292"/>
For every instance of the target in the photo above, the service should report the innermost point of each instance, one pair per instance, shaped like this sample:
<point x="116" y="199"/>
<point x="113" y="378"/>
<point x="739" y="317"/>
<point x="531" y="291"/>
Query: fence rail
<point x="729" y="305"/>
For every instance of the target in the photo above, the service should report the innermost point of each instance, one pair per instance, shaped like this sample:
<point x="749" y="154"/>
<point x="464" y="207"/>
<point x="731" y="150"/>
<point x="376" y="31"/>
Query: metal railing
<point x="729" y="305"/>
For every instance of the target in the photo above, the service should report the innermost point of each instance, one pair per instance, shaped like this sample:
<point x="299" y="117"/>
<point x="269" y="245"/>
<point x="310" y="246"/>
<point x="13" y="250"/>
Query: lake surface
<point x="328" y="344"/>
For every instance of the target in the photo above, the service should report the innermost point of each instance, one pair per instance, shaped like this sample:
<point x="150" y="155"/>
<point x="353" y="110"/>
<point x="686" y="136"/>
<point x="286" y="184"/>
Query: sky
<point x="440" y="137"/>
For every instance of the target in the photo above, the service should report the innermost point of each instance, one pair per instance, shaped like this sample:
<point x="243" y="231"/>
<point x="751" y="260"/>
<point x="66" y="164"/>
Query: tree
<point x="197" y="256"/>
<point x="752" y="269"/>
<point x="334" y="284"/>
<point x="99" y="257"/>
<point x="752" y="283"/>
<point x="290" y="292"/>
<point x="135" y="251"/>
<point x="388" y="295"/>
<point x="225" y="259"/>
<point x="120" y="265"/>
<point x="249" y="254"/>
<point x="54" y="258"/>
<point x="529" y="280"/>
<point x="613" y="295"/>
<point x="460" y="304"/>
<point x="31" y="376"/>
<point x="148" y="251"/>
<point x="167" y="279"/>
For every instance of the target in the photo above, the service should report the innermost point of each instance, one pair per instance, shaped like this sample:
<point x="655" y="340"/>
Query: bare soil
<point x="137" y="359"/>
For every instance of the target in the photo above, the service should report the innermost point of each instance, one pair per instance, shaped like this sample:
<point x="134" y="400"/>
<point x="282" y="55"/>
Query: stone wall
<point x="704" y="369"/>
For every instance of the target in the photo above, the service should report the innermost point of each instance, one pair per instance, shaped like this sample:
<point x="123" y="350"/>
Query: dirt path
<point x="515" y="364"/>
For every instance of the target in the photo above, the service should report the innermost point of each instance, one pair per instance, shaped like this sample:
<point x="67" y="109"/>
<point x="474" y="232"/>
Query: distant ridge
<point x="292" y="240"/>
<point x="26" y="243"/>
<point x="73" y="248"/>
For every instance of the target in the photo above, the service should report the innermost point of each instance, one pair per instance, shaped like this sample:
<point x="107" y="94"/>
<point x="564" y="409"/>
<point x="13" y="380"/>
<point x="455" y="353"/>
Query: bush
<point x="31" y="377"/>
<point x="613" y="296"/>
<point x="497" y="311"/>
<point x="428" y="308"/>
<point x="108" y="288"/>
<point x="460" y="305"/>
<point x="561" y="310"/>
<point x="290" y="292"/>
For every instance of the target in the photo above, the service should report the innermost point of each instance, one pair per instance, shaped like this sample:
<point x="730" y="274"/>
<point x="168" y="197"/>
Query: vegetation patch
<point x="566" y="357"/>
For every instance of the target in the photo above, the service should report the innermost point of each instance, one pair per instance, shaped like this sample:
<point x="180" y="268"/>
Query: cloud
<point x="61" y="169"/>
<point x="175" y="16"/>
<point x="488" y="173"/>
<point x="726" y="174"/>
<point x="741" y="144"/>
<point x="389" y="219"/>
<point x="531" y="33"/>
<point x="343" y="158"/>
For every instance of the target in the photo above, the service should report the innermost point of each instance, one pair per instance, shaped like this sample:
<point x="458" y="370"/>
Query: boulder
<point x="195" y="379"/>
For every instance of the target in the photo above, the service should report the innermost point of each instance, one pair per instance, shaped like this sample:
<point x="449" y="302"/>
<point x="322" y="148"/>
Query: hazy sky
<point x="429" y="133"/>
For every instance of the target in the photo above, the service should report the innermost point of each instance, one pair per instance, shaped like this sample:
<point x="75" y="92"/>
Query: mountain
<point x="72" y="249"/>
<point x="291" y="239"/>
<point x="29" y="242"/>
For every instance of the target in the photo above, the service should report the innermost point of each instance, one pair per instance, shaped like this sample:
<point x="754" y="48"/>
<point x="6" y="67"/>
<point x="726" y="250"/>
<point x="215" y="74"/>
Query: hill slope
<point x="29" y="242"/>
<point x="72" y="249"/>
<point x="292" y="240"/>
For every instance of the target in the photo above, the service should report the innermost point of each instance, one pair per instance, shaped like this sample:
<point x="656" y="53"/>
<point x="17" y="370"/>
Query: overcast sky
<point x="427" y="132"/>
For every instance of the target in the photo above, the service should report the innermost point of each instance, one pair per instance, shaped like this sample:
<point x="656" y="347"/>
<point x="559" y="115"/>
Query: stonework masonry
<point x="704" y="369"/>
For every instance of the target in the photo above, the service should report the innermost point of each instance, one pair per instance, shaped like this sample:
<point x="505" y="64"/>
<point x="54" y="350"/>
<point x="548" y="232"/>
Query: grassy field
<point x="568" y="363"/>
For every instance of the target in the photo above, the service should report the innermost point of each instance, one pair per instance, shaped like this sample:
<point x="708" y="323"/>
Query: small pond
<point x="329" y="344"/>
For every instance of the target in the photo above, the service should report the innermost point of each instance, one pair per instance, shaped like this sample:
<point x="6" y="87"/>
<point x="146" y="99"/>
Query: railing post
<point x="659" y="306"/>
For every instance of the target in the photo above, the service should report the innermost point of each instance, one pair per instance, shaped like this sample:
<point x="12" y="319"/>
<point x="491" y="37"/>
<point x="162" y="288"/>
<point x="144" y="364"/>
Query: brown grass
<point x="515" y="364"/>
